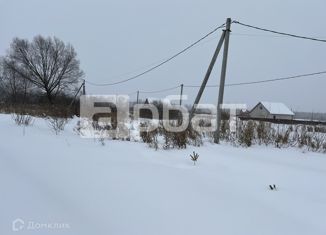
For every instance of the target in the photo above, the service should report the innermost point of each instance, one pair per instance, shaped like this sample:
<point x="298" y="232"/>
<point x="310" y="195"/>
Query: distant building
<point x="269" y="110"/>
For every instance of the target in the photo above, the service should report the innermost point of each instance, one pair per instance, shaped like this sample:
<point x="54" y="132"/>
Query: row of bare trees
<point x="44" y="66"/>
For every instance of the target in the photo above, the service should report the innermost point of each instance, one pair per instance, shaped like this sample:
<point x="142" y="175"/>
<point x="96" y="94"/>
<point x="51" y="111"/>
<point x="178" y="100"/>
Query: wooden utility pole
<point x="222" y="81"/>
<point x="137" y="97"/>
<point x="84" y="88"/>
<point x="75" y="96"/>
<point x="208" y="73"/>
<point x="181" y="92"/>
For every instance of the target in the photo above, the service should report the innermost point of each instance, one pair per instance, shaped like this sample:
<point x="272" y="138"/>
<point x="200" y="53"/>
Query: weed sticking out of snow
<point x="56" y="124"/>
<point x="194" y="157"/>
<point x="272" y="187"/>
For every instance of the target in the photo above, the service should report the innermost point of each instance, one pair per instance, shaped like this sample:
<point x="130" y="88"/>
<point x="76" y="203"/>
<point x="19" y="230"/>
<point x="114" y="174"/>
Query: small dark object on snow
<point x="194" y="157"/>
<point x="272" y="187"/>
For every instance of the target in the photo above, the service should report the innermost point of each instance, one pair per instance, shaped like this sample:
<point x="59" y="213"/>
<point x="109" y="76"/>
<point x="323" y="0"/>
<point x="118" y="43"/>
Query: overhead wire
<point x="234" y="84"/>
<point x="264" y="81"/>
<point x="160" y="64"/>
<point x="278" y="32"/>
<point x="160" y="91"/>
<point x="227" y="85"/>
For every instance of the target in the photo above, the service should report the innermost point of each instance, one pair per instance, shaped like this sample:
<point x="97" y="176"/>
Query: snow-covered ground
<point x="127" y="188"/>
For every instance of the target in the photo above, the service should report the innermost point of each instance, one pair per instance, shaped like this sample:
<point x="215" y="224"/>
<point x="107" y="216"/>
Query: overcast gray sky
<point x="114" y="38"/>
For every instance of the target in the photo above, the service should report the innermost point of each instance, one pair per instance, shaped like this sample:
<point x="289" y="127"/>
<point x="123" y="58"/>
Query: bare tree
<point x="13" y="85"/>
<point x="47" y="63"/>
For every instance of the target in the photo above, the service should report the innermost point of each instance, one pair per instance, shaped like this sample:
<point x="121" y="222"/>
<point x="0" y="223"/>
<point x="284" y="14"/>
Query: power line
<point x="281" y="33"/>
<point x="233" y="84"/>
<point x="195" y="86"/>
<point x="160" y="64"/>
<point x="258" y="35"/>
<point x="276" y="79"/>
<point x="156" y="62"/>
<point x="159" y="91"/>
<point x="263" y="81"/>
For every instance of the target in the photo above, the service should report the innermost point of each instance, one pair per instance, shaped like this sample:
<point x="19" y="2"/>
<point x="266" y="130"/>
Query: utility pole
<point x="75" y="96"/>
<point x="137" y="97"/>
<point x="84" y="88"/>
<point x="181" y="92"/>
<point x="222" y="81"/>
<point x="208" y="73"/>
